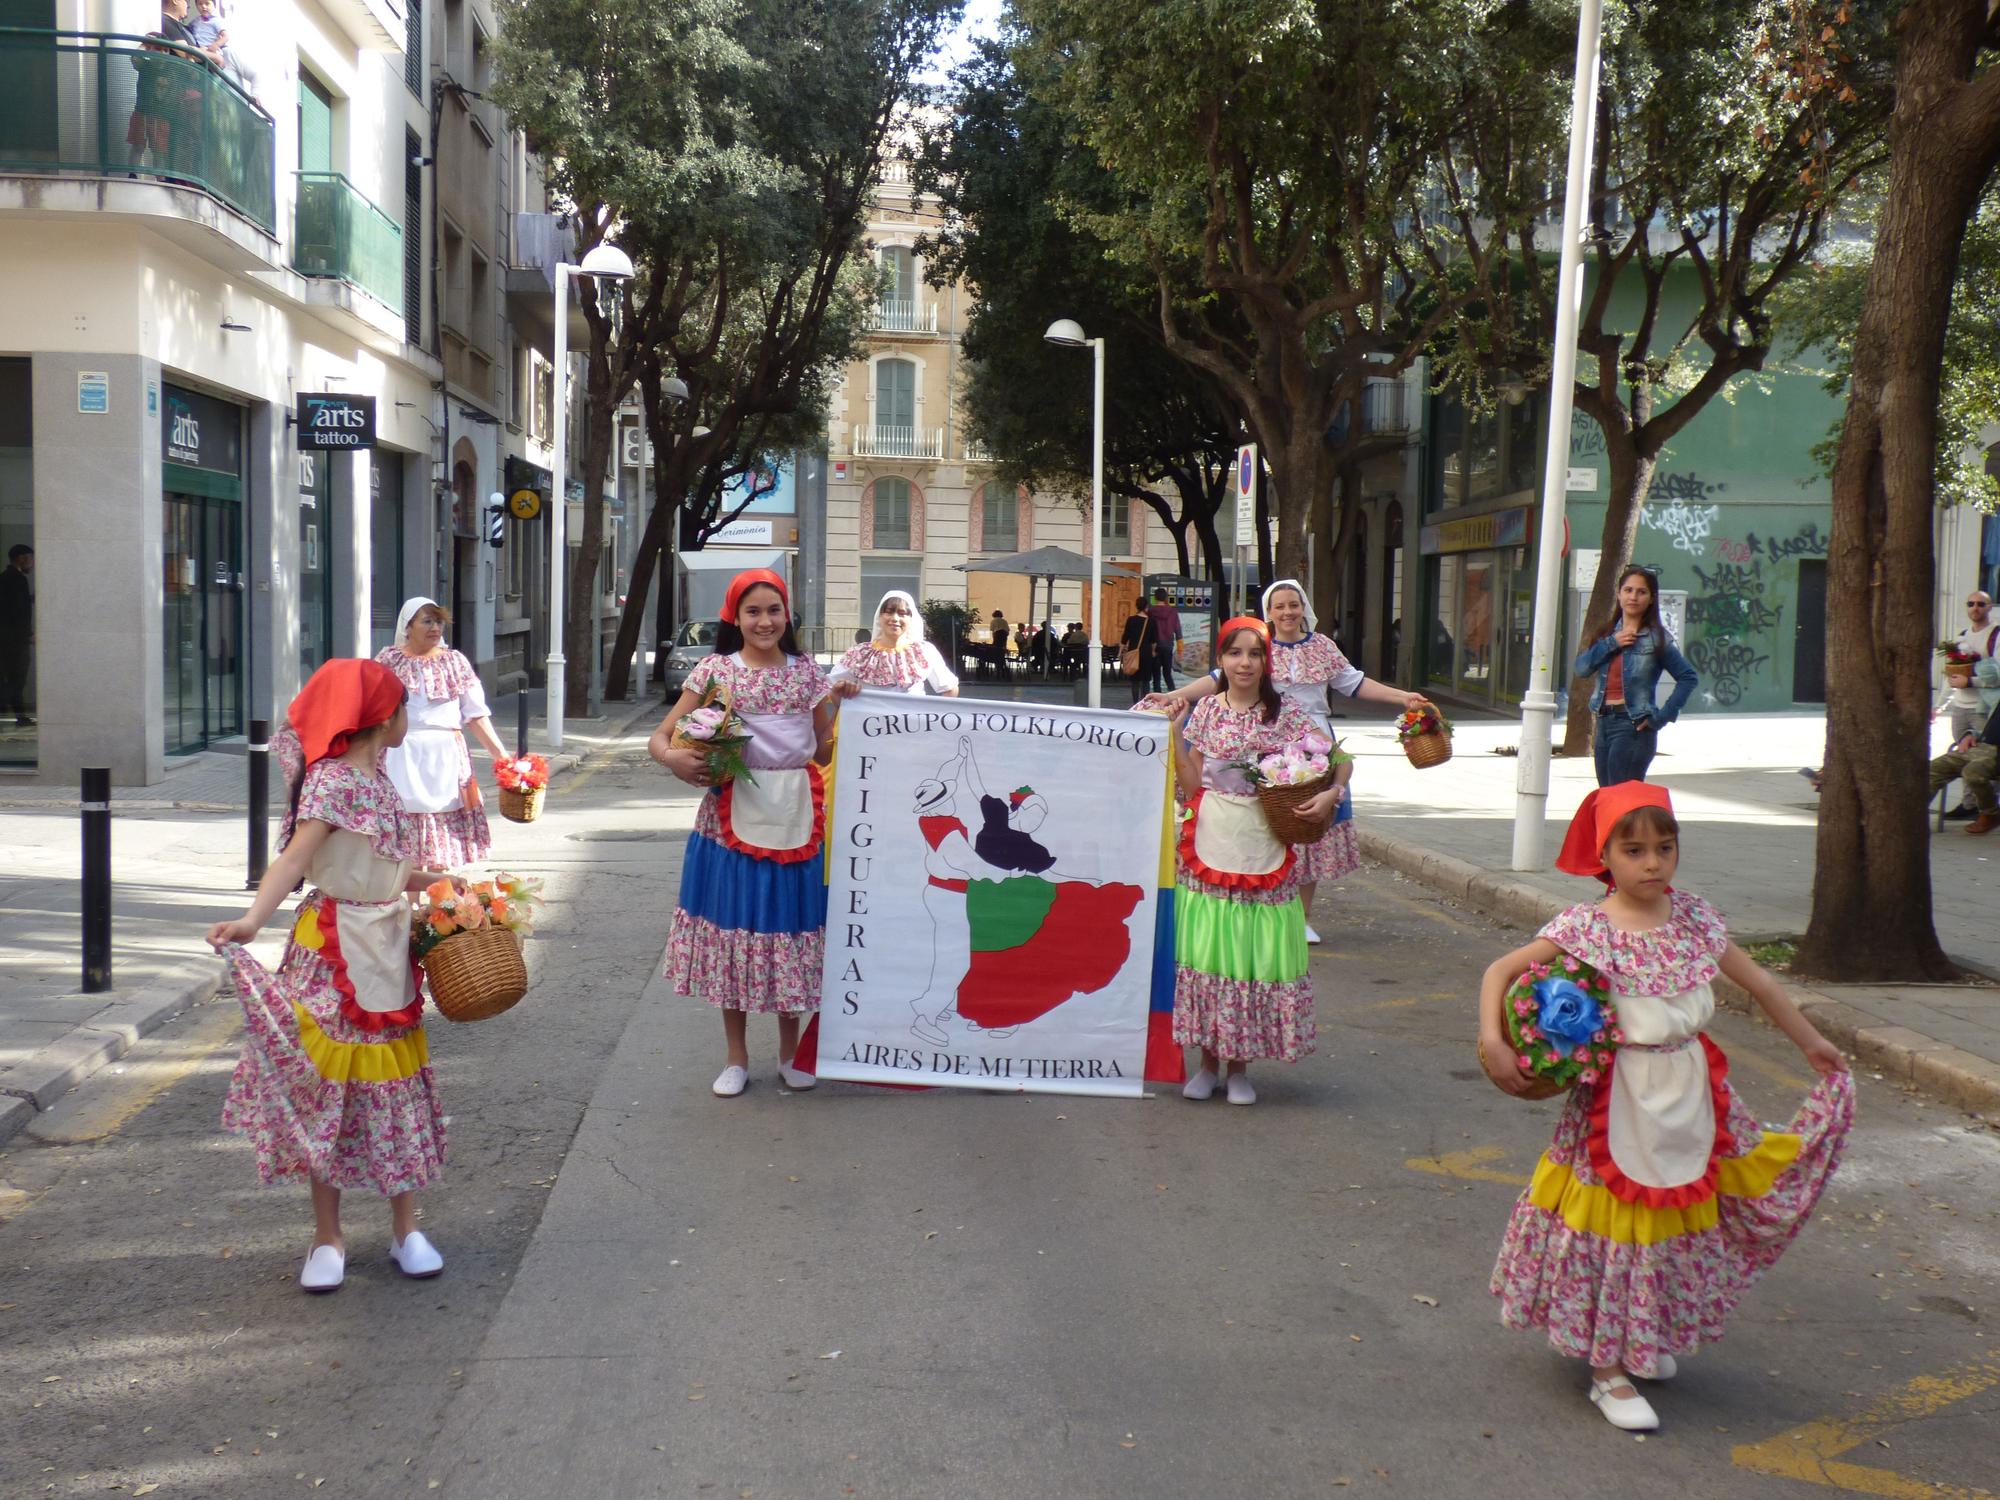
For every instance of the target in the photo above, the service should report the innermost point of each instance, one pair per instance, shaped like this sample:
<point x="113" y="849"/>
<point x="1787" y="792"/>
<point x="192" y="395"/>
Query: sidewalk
<point x="1748" y="821"/>
<point x="179" y="857"/>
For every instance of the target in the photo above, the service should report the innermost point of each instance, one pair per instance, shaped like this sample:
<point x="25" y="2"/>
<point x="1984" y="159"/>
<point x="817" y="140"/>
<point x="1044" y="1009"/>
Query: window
<point x="898" y="312"/>
<point x="479" y="307"/>
<point x="542" y="374"/>
<point x="880" y="574"/>
<point x="517" y="386"/>
<point x="896" y="396"/>
<point x="315" y="124"/>
<point x="413" y="234"/>
<point x="1117" y="525"/>
<point x="1000" y="519"/>
<point x="453" y="313"/>
<point x="413" y="46"/>
<point x="892" y="514"/>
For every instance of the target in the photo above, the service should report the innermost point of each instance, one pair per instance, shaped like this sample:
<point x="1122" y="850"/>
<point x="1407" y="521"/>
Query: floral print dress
<point x="907" y="669"/>
<point x="1661" y="1200"/>
<point x="335" y="1079"/>
<point x="1303" y="670"/>
<point x="432" y="768"/>
<point x="1240" y="983"/>
<point x="749" y="931"/>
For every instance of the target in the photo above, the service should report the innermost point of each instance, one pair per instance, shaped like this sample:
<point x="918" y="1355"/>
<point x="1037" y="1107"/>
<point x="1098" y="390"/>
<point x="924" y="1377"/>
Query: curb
<point x="108" y="1034"/>
<point x="1959" y="1078"/>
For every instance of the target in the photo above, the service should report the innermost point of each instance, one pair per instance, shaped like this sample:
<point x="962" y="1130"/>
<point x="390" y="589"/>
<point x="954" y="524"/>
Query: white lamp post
<point x="1066" y="334"/>
<point x="1538" y="705"/>
<point x="612" y="264"/>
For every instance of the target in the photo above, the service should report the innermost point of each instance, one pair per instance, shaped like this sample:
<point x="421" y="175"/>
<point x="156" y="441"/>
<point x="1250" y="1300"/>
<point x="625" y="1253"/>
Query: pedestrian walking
<point x="432" y="768"/>
<point x="1241" y="992"/>
<point x="1305" y="665"/>
<point x="1166" y="636"/>
<point x="1627" y="656"/>
<point x="334" y="1083"/>
<point x="896" y="657"/>
<point x="1660" y="1200"/>
<point x="749" y="931"/>
<point x="1137" y="638"/>
<point x="17" y="631"/>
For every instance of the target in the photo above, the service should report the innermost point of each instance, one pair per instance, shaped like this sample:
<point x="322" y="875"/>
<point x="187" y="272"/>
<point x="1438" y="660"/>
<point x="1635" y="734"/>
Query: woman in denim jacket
<point x="1627" y="657"/>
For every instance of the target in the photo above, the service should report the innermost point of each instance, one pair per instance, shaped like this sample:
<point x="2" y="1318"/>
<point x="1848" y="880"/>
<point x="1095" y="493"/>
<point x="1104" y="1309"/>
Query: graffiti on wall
<point x="1731" y="609"/>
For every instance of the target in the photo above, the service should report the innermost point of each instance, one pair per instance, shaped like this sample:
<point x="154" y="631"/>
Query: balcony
<point x="903" y="315"/>
<point x="114" y="106"/>
<point x="372" y="25"/>
<point x="898" y="442"/>
<point x="976" y="454"/>
<point x="339" y="235"/>
<point x="541" y="242"/>
<point x="1385" y="409"/>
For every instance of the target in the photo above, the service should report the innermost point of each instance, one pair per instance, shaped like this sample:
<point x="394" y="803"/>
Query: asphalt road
<point x="856" y="1292"/>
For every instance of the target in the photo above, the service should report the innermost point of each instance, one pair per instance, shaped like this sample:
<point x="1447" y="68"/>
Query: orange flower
<point x="499" y="912"/>
<point x="442" y="924"/>
<point x="441" y="891"/>
<point x="472" y="917"/>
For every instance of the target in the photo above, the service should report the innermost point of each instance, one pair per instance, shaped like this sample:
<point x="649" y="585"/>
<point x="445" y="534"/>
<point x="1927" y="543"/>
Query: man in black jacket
<point x="17" y="630"/>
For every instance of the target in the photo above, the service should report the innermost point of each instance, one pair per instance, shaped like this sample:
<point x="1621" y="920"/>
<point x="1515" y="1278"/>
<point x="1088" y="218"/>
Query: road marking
<point x="1466" y="1164"/>
<point x="1807" y="1453"/>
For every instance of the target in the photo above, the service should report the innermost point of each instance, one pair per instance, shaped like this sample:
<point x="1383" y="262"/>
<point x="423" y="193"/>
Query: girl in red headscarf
<point x="749" y="931"/>
<point x="1240" y="985"/>
<point x="334" y="1084"/>
<point x="1660" y="1200"/>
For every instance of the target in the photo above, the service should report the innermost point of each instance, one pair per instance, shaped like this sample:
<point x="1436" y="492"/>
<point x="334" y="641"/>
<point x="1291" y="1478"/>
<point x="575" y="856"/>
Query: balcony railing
<point x="898" y="442"/>
<point x="1385" y="408"/>
<point x="114" y="105"/>
<point x="902" y="315"/>
<point x="976" y="454"/>
<point x="339" y="233"/>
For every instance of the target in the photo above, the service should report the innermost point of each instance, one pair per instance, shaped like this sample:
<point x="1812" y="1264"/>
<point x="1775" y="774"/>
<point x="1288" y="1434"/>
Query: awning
<point x="734" y="559"/>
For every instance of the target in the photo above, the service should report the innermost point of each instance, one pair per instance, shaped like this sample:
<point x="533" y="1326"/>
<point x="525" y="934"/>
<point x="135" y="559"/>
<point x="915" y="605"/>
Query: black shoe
<point x="1965" y="812"/>
<point x="26" y="721"/>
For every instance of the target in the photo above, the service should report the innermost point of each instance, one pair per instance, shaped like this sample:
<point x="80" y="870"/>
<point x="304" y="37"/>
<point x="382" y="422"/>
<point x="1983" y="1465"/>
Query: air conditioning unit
<point x="629" y="455"/>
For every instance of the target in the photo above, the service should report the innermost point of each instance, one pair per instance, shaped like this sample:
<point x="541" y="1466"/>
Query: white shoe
<point x="731" y="1081"/>
<point x="1633" y="1413"/>
<point x="1312" y="933"/>
<point x="415" y="1255"/>
<point x="795" y="1079"/>
<point x="324" y="1270"/>
<point x="1240" y="1091"/>
<point x="1201" y="1086"/>
<point x="1666" y="1369"/>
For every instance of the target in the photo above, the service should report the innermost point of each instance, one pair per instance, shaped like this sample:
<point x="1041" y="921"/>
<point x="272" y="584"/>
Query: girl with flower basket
<point x="334" y="1084"/>
<point x="1240" y="985"/>
<point x="1660" y="1200"/>
<point x="748" y="933"/>
<point x="1304" y="666"/>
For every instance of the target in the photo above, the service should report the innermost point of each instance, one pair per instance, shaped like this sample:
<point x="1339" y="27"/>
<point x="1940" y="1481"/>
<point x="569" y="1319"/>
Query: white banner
<point x="995" y="875"/>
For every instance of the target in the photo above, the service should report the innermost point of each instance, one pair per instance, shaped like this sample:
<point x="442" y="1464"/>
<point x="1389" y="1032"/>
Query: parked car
<point x="694" y="640"/>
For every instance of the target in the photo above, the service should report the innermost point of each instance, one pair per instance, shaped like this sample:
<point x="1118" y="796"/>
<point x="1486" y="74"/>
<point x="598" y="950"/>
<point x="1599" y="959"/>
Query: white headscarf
<point x="408" y="613"/>
<point x="912" y="632"/>
<point x="1312" y="623"/>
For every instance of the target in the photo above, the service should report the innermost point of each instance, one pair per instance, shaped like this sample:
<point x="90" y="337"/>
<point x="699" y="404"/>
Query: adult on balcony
<point x="166" y="113"/>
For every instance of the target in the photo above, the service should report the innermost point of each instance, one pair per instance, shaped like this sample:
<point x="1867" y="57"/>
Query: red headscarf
<point x="1590" y="830"/>
<point x="343" y="698"/>
<point x="1244" y="622"/>
<point x="742" y="583"/>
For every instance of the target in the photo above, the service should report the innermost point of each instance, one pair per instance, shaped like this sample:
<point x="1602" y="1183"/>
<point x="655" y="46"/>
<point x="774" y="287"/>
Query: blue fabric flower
<point x="1566" y="1014"/>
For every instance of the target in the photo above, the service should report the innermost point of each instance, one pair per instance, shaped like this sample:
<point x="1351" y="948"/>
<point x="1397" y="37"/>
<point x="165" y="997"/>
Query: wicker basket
<point x="1427" y="750"/>
<point x="1280" y="805"/>
<point x="1541" y="1088"/>
<point x="477" y="974"/>
<point x="710" y="694"/>
<point x="521" y="805"/>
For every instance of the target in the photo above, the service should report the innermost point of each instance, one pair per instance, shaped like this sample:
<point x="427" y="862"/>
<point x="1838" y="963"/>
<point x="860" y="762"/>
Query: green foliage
<point x="944" y="621"/>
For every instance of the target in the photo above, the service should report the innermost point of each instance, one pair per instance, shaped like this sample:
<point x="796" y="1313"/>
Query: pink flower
<point x="1588" y="1075"/>
<point x="1604" y="1059"/>
<point x="1617" y="1035"/>
<point x="1531" y="1033"/>
<point x="1525" y="1061"/>
<point x="1524" y="1006"/>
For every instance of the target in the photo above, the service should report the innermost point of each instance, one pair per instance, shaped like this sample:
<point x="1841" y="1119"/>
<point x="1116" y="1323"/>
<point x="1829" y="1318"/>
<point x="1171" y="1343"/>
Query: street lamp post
<point x="612" y="264"/>
<point x="1066" y="334"/>
<point x="1538" y="705"/>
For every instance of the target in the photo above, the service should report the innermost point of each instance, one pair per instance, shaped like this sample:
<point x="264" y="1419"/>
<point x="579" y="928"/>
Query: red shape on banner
<point x="1079" y="947"/>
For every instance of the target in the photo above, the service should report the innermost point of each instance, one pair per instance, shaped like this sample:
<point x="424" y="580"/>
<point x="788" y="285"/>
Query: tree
<point x="1266" y="156"/>
<point x="1709" y="175"/>
<point x="1000" y="164"/>
<point x="1871" y="913"/>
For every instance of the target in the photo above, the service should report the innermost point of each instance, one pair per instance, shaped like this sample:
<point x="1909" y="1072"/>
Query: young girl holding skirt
<point x="748" y="933"/>
<point x="334" y="1084"/>
<point x="1240" y="984"/>
<point x="1660" y="1201"/>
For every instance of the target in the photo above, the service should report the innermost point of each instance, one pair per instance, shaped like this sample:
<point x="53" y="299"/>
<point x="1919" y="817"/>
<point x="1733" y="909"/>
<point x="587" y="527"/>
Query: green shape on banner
<point x="1006" y="913"/>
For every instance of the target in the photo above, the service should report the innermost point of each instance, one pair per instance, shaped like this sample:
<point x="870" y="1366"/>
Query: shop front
<point x="1479" y="604"/>
<point x="202" y="572"/>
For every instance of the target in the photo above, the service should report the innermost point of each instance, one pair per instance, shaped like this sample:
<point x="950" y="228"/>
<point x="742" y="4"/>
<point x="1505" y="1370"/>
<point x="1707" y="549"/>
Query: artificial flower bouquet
<point x="468" y="937"/>
<point x="713" y="728"/>
<point x="1425" y="734"/>
<point x="1562" y="1025"/>
<point x="1289" y="777"/>
<point x="523" y="784"/>
<point x="1958" y="664"/>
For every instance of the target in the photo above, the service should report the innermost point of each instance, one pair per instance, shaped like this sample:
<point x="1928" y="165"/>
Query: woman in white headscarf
<point x="1304" y="664"/>
<point x="898" y="658"/>
<point x="432" y="768"/>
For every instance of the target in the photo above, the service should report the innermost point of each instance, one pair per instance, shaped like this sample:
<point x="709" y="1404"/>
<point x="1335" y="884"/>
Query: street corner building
<point x="280" y="314"/>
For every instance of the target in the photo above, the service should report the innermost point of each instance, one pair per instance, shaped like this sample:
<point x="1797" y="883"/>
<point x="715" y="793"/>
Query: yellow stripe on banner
<point x="1169" y="823"/>
<point x="361" y="1062"/>
<point x="829" y="773"/>
<point x="1591" y="1209"/>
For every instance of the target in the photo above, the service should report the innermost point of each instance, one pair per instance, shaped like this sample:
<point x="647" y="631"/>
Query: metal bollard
<point x="260" y="801"/>
<point x="521" y="721"/>
<point x="96" y="814"/>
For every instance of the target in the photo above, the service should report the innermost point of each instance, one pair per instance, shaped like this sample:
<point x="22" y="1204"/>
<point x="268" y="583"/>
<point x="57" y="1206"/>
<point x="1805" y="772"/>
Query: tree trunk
<point x="1300" y="470"/>
<point x="1631" y="476"/>
<point x="1871" y="911"/>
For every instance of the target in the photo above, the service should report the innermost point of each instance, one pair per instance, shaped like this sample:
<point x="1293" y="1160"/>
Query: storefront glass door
<point x="203" y="574"/>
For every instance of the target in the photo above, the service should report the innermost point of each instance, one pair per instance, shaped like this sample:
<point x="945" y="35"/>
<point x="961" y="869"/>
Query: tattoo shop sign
<point x="994" y="874"/>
